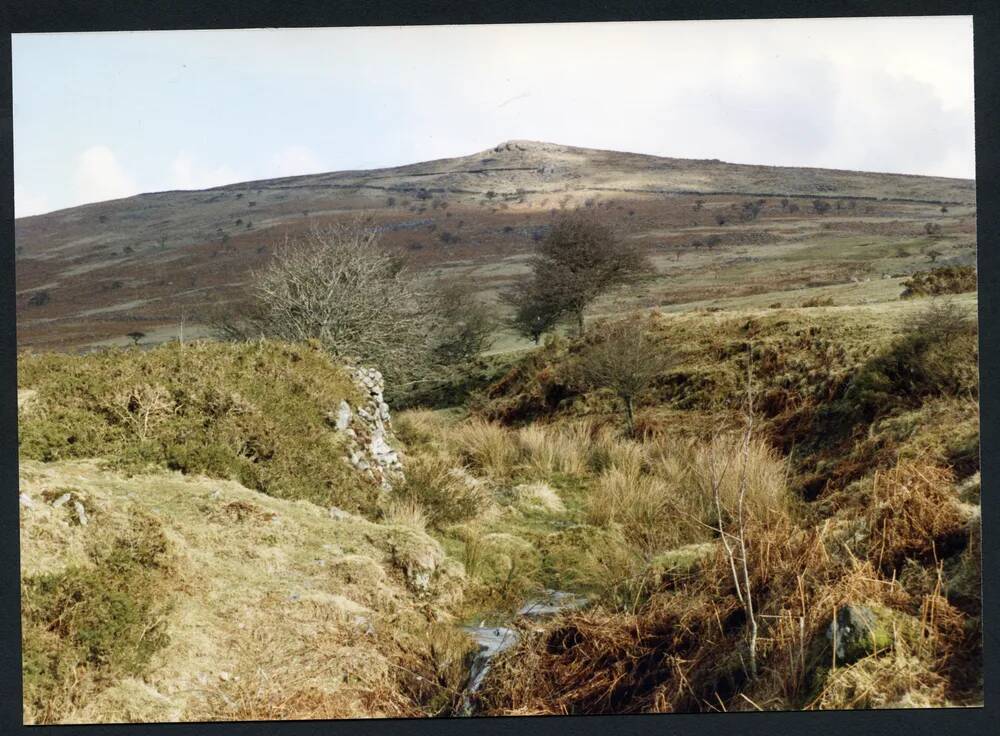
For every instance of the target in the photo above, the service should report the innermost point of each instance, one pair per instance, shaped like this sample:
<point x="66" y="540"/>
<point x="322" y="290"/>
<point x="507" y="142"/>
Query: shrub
<point x="818" y="301"/>
<point x="86" y="626"/>
<point x="445" y="493"/>
<point x="944" y="280"/>
<point x="937" y="356"/>
<point x="253" y="412"/>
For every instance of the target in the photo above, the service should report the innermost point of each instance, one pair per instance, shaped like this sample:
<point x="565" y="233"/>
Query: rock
<point x="344" y="415"/>
<point x="368" y="428"/>
<point x="25" y="501"/>
<point x="338" y="514"/>
<point x="61" y="500"/>
<point x="81" y="513"/>
<point x="857" y="632"/>
<point x="418" y="556"/>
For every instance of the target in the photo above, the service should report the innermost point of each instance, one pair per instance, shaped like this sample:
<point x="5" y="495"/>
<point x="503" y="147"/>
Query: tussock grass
<point x="547" y="451"/>
<point x="487" y="447"/>
<point x="443" y="491"/>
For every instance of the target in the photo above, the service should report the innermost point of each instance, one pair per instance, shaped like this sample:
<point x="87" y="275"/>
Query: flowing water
<point x="493" y="640"/>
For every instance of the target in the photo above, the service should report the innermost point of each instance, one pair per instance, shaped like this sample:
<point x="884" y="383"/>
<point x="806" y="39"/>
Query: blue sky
<point x="106" y="115"/>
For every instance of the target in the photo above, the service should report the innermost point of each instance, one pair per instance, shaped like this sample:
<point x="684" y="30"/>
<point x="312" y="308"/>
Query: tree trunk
<point x="579" y="322"/>
<point x="629" y="418"/>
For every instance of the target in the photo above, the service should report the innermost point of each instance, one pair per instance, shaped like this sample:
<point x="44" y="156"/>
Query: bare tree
<point x="734" y="542"/>
<point x="337" y="286"/>
<point x="460" y="325"/>
<point x="625" y="360"/>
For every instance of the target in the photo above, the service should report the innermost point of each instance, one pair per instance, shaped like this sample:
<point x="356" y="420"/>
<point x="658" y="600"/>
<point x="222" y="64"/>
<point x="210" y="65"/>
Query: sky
<point x="100" y="116"/>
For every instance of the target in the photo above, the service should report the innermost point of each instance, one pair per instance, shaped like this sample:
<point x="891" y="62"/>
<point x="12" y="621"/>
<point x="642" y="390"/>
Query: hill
<point x="156" y="262"/>
<point x="181" y="559"/>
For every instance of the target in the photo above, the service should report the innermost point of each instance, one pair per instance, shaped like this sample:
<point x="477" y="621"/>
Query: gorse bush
<point x="944" y="280"/>
<point x="85" y="627"/>
<point x="253" y="412"/>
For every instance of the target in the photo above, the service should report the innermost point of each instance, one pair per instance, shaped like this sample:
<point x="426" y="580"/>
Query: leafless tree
<point x="338" y="286"/>
<point x="625" y="359"/>
<point x="734" y="541"/>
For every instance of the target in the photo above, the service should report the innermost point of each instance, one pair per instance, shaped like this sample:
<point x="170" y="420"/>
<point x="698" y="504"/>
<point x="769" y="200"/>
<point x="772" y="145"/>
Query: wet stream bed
<point x="493" y="640"/>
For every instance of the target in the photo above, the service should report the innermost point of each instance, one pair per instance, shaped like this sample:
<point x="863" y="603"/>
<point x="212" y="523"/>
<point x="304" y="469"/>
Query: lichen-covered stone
<point x="859" y="631"/>
<point x="369" y="431"/>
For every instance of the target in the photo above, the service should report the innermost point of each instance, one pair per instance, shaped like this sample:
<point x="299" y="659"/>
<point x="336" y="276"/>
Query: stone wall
<point x="369" y="429"/>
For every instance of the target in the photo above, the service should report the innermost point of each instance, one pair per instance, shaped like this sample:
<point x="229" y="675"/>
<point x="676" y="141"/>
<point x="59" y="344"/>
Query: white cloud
<point x="98" y="176"/>
<point x="28" y="203"/>
<point x="186" y="173"/>
<point x="293" y="161"/>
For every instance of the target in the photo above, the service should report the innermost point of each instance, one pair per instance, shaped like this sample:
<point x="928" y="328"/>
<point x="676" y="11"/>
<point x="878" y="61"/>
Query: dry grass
<point x="279" y="610"/>
<point x="913" y="514"/>
<point x="406" y="512"/>
<point x="550" y="450"/>
<point x="487" y="447"/>
<point x="661" y="492"/>
<point x="685" y="649"/>
<point x="446" y="493"/>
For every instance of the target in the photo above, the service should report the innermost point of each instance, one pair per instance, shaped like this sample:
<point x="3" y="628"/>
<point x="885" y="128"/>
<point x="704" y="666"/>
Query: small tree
<point x="461" y="326"/>
<point x="750" y="211"/>
<point x="535" y="313"/>
<point x="579" y="260"/>
<point x="39" y="299"/>
<point x="136" y="337"/>
<point x="337" y="286"/>
<point x="820" y="206"/>
<point x="625" y="360"/>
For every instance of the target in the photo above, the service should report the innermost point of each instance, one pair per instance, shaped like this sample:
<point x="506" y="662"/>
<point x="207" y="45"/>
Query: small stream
<point x="493" y="640"/>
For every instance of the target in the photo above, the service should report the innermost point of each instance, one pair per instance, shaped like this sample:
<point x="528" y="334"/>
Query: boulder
<point x="859" y="631"/>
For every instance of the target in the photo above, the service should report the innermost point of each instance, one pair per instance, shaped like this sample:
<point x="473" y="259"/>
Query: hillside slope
<point x="151" y="263"/>
<point x="205" y="534"/>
